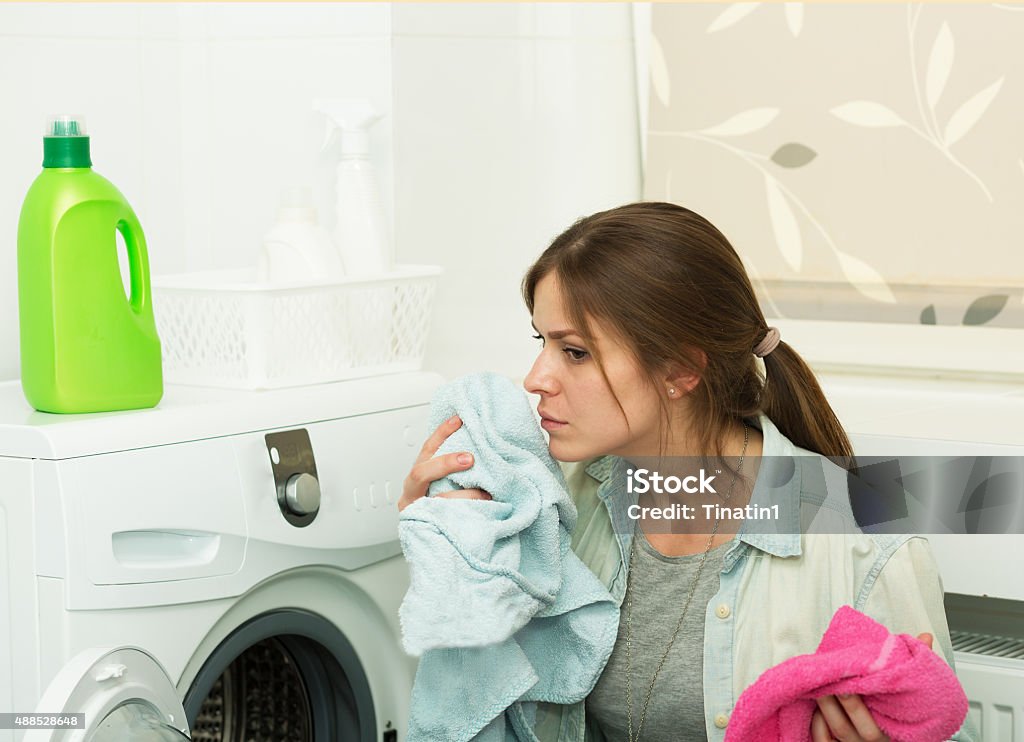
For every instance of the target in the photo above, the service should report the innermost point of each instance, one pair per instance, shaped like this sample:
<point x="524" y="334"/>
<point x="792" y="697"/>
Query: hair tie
<point x="768" y="343"/>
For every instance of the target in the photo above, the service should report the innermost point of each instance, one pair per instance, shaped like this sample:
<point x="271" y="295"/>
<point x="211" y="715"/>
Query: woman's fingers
<point x="839" y="726"/>
<point x="819" y="729"/>
<point x="438" y="437"/>
<point x="847" y="719"/>
<point x="863" y="722"/>
<point x="425" y="472"/>
<point x="429" y="467"/>
<point x="440" y="466"/>
<point x="927" y="639"/>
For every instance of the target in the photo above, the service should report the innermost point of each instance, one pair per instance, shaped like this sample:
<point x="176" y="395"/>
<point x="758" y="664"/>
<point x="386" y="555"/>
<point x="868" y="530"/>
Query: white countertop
<point x="194" y="413"/>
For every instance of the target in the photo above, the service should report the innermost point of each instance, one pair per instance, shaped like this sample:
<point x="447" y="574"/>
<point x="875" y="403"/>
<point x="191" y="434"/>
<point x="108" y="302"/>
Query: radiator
<point x="991" y="670"/>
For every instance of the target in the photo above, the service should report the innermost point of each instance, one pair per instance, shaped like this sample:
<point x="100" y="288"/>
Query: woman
<point x="650" y="333"/>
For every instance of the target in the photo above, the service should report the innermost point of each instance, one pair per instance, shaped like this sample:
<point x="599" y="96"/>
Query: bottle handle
<point x="138" y="261"/>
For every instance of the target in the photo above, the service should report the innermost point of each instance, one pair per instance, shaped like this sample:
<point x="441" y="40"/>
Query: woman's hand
<point x="427" y="468"/>
<point x="847" y="719"/>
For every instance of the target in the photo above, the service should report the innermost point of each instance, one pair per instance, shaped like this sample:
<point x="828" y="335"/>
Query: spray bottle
<point x="361" y="232"/>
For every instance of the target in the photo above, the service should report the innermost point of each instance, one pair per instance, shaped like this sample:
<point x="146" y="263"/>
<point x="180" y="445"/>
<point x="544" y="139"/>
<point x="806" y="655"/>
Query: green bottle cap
<point x="65" y="143"/>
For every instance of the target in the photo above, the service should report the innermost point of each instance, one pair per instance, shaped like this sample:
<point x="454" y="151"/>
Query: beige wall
<point x="867" y="161"/>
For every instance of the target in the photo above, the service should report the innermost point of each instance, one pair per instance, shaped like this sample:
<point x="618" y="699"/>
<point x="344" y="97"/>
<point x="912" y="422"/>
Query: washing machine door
<point x="124" y="693"/>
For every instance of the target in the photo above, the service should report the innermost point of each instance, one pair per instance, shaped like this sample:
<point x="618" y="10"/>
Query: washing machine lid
<point x="124" y="694"/>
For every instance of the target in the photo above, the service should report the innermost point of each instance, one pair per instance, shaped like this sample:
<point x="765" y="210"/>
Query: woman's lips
<point x="549" y="423"/>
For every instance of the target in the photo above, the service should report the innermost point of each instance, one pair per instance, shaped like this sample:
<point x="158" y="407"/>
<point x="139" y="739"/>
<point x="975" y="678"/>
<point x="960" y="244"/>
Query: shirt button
<point x="722" y="611"/>
<point x="721" y="721"/>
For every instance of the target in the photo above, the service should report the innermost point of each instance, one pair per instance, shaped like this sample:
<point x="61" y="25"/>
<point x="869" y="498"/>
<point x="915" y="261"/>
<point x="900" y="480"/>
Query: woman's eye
<point x="575" y="354"/>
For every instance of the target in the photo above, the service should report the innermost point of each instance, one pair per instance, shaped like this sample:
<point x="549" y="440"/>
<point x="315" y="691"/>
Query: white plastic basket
<point x="224" y="329"/>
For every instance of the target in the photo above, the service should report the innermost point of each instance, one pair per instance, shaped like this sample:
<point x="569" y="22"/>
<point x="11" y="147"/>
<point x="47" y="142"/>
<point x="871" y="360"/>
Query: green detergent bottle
<point x="85" y="346"/>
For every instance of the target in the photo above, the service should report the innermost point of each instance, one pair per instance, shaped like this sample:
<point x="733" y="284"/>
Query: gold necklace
<point x="689" y="597"/>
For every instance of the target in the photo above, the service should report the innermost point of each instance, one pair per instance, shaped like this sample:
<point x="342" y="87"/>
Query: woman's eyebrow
<point x="557" y="334"/>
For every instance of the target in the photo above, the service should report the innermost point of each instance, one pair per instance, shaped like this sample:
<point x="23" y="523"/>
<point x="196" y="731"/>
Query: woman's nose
<point x="539" y="380"/>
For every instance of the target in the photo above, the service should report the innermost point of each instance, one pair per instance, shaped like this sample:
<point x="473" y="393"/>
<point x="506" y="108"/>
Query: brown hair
<point x="667" y="282"/>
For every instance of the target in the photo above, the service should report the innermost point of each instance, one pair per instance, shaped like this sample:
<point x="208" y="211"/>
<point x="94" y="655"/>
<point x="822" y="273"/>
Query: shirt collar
<point x="778" y="481"/>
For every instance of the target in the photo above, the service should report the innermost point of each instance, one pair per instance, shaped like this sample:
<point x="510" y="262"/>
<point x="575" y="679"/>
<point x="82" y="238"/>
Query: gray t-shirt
<point x="658" y="585"/>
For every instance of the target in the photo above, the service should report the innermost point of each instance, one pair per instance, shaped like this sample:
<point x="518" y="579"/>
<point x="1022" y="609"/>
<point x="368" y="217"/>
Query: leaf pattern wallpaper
<point x="866" y="160"/>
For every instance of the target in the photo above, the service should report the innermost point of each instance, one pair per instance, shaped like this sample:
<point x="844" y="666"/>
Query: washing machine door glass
<point x="135" y="722"/>
<point x="123" y="693"/>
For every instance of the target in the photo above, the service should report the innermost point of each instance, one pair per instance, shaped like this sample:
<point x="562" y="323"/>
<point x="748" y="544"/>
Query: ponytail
<point x="796" y="404"/>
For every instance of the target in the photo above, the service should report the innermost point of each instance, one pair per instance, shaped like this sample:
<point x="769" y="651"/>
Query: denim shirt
<point x="778" y="590"/>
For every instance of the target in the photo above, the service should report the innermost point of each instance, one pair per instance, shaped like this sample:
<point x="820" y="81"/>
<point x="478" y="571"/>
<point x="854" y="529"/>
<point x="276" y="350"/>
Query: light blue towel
<point x="502" y="611"/>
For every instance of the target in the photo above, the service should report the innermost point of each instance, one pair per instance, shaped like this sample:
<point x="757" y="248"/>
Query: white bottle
<point x="361" y="231"/>
<point x="297" y="248"/>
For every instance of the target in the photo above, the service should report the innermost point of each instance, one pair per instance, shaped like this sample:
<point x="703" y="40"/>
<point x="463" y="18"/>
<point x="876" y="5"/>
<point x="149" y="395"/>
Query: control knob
<point x="302" y="494"/>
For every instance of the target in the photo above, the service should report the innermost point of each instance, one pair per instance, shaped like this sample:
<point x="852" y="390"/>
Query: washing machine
<point x="224" y="567"/>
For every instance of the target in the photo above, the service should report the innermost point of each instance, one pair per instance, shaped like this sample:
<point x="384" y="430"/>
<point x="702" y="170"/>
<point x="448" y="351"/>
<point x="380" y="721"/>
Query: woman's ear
<point x="680" y="381"/>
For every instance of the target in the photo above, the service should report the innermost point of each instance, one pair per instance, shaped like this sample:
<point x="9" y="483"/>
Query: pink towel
<point x="910" y="691"/>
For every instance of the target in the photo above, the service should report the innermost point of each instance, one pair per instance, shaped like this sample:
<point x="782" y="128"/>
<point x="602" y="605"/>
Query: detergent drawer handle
<point x="165" y="548"/>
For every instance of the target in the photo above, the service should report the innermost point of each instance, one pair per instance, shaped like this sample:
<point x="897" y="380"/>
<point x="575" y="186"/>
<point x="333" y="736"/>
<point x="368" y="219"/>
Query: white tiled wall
<point x="511" y="121"/>
<point x="504" y="123"/>
<point x="75" y="62"/>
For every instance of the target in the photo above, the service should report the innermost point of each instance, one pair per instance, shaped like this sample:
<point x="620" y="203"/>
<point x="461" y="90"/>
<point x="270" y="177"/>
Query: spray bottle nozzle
<point x="353" y="117"/>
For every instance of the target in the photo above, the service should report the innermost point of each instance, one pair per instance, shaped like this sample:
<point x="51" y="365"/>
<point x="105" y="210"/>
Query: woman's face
<point x="577" y="407"/>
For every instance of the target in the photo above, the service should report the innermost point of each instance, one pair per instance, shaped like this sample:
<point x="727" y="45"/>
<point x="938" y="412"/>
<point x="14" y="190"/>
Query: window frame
<point x="947" y="350"/>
